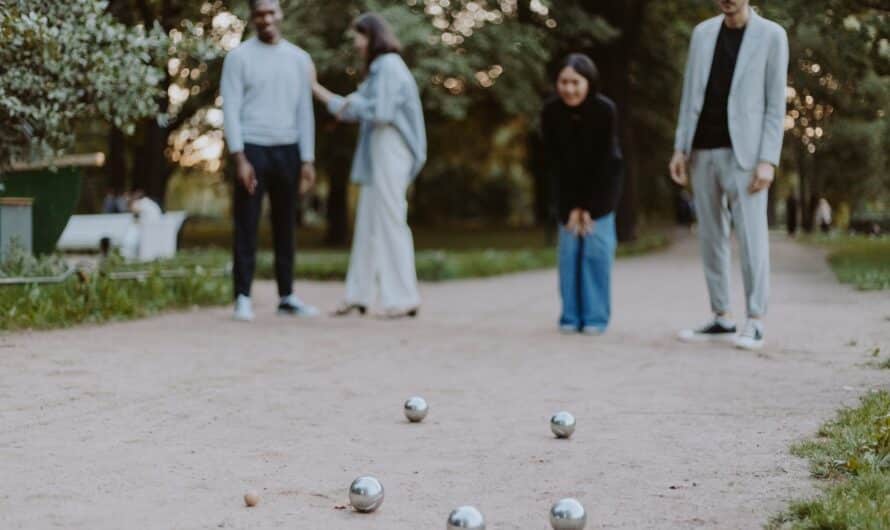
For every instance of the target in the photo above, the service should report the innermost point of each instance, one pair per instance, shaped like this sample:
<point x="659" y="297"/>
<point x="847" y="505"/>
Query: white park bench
<point x="157" y="239"/>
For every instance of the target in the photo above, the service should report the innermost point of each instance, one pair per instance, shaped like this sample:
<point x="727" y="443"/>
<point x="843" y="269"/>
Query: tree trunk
<point x="337" y="209"/>
<point x="157" y="167"/>
<point x="615" y="63"/>
<point x="804" y="192"/>
<point x="338" y="161"/>
<point x="116" y="168"/>
<point x="540" y="184"/>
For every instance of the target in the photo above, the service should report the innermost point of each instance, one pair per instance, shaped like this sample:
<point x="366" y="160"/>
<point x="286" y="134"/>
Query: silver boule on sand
<point x="416" y="409"/>
<point x="366" y="494"/>
<point x="568" y="514"/>
<point x="562" y="424"/>
<point x="466" y="517"/>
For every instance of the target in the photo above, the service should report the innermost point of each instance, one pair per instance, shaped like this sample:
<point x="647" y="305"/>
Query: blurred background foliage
<point x="484" y="67"/>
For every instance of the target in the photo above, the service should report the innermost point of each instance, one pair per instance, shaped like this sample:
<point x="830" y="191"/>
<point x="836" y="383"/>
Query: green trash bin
<point x="54" y="187"/>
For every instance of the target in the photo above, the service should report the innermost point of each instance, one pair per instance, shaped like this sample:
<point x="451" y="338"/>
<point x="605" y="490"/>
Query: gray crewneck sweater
<point x="267" y="97"/>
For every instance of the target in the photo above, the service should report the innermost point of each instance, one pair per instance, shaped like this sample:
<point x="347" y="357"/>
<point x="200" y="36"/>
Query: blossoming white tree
<point x="62" y="62"/>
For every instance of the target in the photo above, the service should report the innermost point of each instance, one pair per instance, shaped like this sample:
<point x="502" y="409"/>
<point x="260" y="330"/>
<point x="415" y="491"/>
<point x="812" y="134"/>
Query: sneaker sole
<point x="723" y="338"/>
<point x="749" y="347"/>
<point x="285" y="313"/>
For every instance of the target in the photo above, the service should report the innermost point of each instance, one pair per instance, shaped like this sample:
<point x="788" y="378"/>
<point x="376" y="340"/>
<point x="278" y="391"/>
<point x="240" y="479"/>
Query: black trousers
<point x="277" y="170"/>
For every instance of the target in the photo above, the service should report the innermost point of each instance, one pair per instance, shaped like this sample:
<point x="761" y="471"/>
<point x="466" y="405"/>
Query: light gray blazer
<point x="757" y="95"/>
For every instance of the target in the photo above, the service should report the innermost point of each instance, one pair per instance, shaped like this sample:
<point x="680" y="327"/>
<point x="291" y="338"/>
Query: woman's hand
<point x="588" y="225"/>
<point x="573" y="225"/>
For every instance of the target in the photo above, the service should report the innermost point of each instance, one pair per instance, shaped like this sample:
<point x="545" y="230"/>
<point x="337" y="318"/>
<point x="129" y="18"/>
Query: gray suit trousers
<point x="722" y="201"/>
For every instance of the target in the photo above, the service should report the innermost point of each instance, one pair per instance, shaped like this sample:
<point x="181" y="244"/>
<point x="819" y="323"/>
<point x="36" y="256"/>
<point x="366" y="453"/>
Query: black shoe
<point x="293" y="306"/>
<point x="399" y="314"/>
<point x="348" y="309"/>
<point x="716" y="330"/>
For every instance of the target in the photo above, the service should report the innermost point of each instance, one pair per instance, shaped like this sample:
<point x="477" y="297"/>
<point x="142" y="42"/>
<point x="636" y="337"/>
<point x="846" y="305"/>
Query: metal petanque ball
<point x="366" y="494"/>
<point x="562" y="424"/>
<point x="416" y="409"/>
<point x="466" y="517"/>
<point x="568" y="514"/>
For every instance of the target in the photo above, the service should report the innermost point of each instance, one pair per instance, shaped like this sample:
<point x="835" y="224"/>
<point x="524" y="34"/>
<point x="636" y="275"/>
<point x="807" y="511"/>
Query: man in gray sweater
<point x="270" y="131"/>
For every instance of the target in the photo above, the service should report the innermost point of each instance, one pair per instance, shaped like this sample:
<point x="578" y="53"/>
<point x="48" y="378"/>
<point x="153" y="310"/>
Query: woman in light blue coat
<point x="391" y="152"/>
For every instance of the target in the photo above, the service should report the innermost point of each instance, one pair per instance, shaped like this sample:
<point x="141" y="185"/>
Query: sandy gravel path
<point x="165" y="423"/>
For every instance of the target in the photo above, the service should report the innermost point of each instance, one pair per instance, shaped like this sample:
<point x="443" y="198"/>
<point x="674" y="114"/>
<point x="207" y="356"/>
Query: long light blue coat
<point x="388" y="96"/>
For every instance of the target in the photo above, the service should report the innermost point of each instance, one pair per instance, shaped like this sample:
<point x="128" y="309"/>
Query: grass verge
<point x="99" y="297"/>
<point x="861" y="261"/>
<point x="852" y="456"/>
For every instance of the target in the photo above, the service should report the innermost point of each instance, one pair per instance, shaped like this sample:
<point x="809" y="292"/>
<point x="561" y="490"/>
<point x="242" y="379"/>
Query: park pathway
<point x="165" y="423"/>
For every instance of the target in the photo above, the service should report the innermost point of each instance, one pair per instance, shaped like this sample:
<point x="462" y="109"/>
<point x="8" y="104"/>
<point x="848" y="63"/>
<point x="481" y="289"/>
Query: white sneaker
<point x="717" y="330"/>
<point x="292" y="305"/>
<point x="592" y="331"/>
<point x="243" y="309"/>
<point x="751" y="337"/>
<point x="567" y="329"/>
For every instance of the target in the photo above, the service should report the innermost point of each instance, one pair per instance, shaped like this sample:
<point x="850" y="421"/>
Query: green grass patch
<point x="95" y="296"/>
<point x="443" y="265"/>
<point x="206" y="234"/>
<point x="852" y="454"/>
<point x="861" y="261"/>
<point x="121" y="291"/>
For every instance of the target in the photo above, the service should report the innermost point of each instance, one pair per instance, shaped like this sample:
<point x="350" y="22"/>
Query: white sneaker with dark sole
<point x="717" y="330"/>
<point x="243" y="309"/>
<point x="751" y="338"/>
<point x="293" y="306"/>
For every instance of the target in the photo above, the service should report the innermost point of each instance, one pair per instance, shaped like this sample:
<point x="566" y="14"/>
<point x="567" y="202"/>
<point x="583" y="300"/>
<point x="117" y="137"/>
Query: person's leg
<point x="568" y="251"/>
<point x="391" y="162"/>
<point x="282" y="202"/>
<point x="752" y="231"/>
<point x="362" y="271"/>
<point x="713" y="227"/>
<point x="246" y="209"/>
<point x="598" y="254"/>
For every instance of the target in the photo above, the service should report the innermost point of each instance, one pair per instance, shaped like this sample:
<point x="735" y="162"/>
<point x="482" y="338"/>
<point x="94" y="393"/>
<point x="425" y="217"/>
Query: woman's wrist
<point x="323" y="94"/>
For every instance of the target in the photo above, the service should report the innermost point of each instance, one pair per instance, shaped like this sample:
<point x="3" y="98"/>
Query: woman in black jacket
<point x="584" y="162"/>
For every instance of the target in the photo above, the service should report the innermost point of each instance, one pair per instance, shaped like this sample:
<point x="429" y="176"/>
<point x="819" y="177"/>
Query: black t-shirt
<point x="712" y="131"/>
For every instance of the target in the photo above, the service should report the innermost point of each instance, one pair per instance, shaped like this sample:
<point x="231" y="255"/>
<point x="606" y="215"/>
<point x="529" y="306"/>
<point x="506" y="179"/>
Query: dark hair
<point x="252" y="4"/>
<point x="381" y="39"/>
<point x="585" y="67"/>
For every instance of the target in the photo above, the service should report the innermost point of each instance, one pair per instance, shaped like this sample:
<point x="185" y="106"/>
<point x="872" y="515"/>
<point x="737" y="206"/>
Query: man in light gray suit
<point x="729" y="138"/>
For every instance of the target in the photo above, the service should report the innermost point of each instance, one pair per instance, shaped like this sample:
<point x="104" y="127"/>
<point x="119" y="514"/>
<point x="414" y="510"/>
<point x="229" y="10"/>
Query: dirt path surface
<point x="165" y="423"/>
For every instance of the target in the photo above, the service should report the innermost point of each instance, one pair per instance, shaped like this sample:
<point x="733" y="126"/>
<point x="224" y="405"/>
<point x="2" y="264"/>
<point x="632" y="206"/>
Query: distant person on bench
<point x="145" y="211"/>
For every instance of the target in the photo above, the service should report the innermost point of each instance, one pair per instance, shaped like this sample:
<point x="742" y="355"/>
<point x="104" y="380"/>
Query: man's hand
<point x="246" y="173"/>
<point x="307" y="177"/>
<point x="764" y="175"/>
<point x="678" y="166"/>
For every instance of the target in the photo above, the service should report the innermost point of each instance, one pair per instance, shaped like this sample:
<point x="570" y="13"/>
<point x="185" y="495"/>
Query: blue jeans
<point x="585" y="275"/>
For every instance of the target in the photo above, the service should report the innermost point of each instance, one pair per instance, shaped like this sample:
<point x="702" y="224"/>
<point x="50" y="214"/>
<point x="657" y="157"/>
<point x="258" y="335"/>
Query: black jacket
<point x="582" y="155"/>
